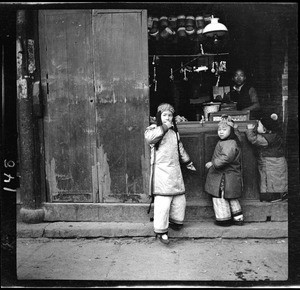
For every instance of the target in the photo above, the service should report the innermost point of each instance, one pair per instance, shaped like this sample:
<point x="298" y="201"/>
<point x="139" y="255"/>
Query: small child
<point x="272" y="165"/>
<point x="224" y="177"/>
<point x="166" y="181"/>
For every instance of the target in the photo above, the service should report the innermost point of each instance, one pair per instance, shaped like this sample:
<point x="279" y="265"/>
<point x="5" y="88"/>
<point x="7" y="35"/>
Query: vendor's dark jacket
<point x="244" y="100"/>
<point x="242" y="97"/>
<point x="226" y="160"/>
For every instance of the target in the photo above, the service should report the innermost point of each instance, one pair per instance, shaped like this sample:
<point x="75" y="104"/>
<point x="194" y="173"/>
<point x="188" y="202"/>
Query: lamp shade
<point x="215" y="28"/>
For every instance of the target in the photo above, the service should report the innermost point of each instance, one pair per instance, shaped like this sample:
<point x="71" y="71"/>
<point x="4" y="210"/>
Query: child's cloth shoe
<point x="163" y="238"/>
<point x="223" y="223"/>
<point x="175" y="227"/>
<point x="238" y="223"/>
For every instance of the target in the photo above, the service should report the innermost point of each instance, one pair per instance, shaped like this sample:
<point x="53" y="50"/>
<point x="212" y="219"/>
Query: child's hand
<point x="208" y="164"/>
<point x="190" y="166"/>
<point x="169" y="124"/>
<point x="250" y="126"/>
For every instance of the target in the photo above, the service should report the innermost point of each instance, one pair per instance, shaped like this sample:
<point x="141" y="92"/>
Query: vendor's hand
<point x="208" y="164"/>
<point x="190" y="166"/>
<point x="250" y="126"/>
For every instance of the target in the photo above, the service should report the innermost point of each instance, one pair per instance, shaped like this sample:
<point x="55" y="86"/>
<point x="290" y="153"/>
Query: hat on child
<point x="226" y="121"/>
<point x="270" y="122"/>
<point x="165" y="107"/>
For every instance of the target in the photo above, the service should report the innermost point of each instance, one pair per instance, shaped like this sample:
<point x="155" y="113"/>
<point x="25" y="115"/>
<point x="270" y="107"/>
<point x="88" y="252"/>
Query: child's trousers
<point x="166" y="209"/>
<point x="226" y="209"/>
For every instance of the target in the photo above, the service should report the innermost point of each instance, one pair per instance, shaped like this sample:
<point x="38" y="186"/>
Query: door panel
<point x="69" y="119"/>
<point x="122" y="110"/>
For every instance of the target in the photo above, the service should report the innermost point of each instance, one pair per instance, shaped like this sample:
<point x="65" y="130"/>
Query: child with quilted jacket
<point x="224" y="177"/>
<point x="271" y="161"/>
<point x="166" y="181"/>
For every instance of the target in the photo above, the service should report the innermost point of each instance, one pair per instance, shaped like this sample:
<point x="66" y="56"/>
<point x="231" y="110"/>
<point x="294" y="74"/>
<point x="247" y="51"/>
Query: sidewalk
<point x="122" y="253"/>
<point x="148" y="261"/>
<point x="259" y="230"/>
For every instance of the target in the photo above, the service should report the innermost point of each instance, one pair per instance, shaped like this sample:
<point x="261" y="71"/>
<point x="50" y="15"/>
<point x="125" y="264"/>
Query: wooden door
<point x="95" y="83"/>
<point x="122" y="103"/>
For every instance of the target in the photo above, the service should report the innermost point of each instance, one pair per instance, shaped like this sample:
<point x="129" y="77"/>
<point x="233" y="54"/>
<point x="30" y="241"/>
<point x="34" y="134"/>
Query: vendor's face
<point x="166" y="116"/>
<point x="223" y="131"/>
<point x="239" y="77"/>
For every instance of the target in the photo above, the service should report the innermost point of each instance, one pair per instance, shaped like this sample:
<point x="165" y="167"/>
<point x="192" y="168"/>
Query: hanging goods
<point x="189" y="30"/>
<point x="171" y="76"/>
<point x="154" y="32"/>
<point x="222" y="66"/>
<point x="213" y="67"/>
<point x="181" y="32"/>
<point x="173" y="22"/>
<point x="184" y="74"/>
<point x="166" y="33"/>
<point x="201" y="48"/>
<point x="154" y="79"/>
<point x="181" y="21"/>
<point x="155" y="22"/>
<point x="150" y="22"/>
<point x="190" y="21"/>
<point x="218" y="80"/>
<point x="200" y="22"/>
<point x="163" y="22"/>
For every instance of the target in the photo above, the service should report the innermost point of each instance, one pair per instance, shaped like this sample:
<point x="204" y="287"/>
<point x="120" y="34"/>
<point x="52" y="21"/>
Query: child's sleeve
<point x="237" y="132"/>
<point x="154" y="133"/>
<point x="225" y="156"/>
<point x="256" y="139"/>
<point x="184" y="157"/>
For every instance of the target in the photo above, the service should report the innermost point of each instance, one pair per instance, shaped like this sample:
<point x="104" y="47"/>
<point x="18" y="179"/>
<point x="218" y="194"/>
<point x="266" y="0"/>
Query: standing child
<point x="272" y="165"/>
<point x="224" y="177"/>
<point x="166" y="182"/>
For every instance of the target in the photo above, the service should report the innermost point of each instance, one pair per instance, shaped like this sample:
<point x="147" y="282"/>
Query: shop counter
<point x="199" y="140"/>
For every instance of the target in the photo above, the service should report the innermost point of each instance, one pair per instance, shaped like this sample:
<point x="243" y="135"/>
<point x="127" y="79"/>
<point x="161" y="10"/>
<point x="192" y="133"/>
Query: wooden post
<point x="29" y="211"/>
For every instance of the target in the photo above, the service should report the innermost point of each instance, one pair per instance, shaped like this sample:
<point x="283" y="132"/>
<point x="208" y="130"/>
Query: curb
<point x="263" y="230"/>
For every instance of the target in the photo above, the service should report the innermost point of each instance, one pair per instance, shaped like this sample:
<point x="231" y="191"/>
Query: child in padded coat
<point x="166" y="181"/>
<point x="224" y="177"/>
<point x="272" y="165"/>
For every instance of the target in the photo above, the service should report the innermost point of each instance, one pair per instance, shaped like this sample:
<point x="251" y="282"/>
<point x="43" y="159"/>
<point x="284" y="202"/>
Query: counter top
<point x="198" y="126"/>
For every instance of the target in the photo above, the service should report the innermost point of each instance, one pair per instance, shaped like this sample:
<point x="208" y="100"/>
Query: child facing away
<point x="224" y="177"/>
<point x="166" y="181"/>
<point x="272" y="165"/>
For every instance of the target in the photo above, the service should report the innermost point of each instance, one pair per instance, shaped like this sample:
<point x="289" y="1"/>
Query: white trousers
<point x="168" y="208"/>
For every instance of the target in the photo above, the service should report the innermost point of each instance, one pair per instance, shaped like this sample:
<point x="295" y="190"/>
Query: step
<point x="254" y="211"/>
<point x="265" y="230"/>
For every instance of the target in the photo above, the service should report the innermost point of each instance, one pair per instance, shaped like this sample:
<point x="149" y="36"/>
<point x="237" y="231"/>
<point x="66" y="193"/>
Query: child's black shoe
<point x="175" y="227"/>
<point x="238" y="223"/>
<point x="223" y="223"/>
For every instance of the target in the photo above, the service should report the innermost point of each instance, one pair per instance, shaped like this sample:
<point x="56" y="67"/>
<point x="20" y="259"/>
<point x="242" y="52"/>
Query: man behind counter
<point x="244" y="94"/>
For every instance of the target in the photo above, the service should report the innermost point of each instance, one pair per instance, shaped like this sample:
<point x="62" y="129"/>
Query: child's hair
<point x="270" y="122"/>
<point x="227" y="121"/>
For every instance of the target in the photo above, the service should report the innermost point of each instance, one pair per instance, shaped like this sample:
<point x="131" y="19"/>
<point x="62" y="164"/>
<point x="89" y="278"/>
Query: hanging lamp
<point x="214" y="28"/>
